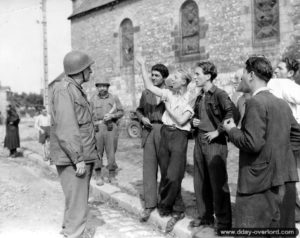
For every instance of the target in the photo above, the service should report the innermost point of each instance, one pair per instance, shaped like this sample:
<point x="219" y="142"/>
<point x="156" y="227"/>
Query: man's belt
<point x="171" y="127"/>
<point x="98" y="122"/>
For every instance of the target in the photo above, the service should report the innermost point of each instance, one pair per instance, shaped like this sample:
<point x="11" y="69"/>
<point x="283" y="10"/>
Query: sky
<point x="21" y="42"/>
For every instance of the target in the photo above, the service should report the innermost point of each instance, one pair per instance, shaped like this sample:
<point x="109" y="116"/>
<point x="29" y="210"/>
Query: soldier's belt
<point x="99" y="122"/>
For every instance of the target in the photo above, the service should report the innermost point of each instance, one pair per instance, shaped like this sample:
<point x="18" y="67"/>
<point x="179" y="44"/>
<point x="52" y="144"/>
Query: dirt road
<point x="31" y="205"/>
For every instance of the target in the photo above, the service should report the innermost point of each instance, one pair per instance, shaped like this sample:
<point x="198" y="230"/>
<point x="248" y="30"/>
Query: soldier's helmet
<point x="102" y="81"/>
<point x="76" y="61"/>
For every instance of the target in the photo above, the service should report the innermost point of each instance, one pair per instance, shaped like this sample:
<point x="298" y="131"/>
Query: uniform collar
<point x="72" y="81"/>
<point x="103" y="97"/>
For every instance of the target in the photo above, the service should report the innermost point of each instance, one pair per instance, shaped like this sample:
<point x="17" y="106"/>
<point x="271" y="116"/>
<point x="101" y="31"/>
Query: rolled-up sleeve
<point x="67" y="129"/>
<point x="120" y="111"/>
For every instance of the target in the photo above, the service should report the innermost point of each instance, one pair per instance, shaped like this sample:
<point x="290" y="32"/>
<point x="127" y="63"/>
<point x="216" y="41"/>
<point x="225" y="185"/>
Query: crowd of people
<point x="262" y="122"/>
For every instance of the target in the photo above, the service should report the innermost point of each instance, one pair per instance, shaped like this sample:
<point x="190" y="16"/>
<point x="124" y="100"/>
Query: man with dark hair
<point x="285" y="87"/>
<point x="287" y="68"/>
<point x="212" y="107"/>
<point x="150" y="113"/>
<point x="267" y="167"/>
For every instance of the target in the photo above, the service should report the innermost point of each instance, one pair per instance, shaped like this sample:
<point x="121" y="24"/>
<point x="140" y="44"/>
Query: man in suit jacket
<point x="267" y="167"/>
<point x="150" y="113"/>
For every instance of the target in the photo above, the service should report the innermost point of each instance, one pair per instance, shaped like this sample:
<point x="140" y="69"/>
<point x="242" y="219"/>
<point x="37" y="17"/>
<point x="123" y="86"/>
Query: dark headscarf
<point x="12" y="115"/>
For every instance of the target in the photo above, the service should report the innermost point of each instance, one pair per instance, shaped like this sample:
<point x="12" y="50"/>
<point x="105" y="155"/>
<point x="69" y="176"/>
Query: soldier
<point x="72" y="142"/>
<point x="107" y="110"/>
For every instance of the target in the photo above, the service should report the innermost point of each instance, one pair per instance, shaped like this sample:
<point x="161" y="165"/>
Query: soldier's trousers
<point x="150" y="166"/>
<point x="108" y="141"/>
<point x="76" y="191"/>
<point x="211" y="181"/>
<point x="172" y="162"/>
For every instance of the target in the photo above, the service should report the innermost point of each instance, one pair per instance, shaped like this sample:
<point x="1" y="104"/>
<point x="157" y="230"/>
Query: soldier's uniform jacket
<point x="102" y="105"/>
<point x="72" y="137"/>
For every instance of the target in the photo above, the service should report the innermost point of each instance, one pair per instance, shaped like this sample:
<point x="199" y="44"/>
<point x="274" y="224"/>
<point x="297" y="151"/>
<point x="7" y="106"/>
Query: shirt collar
<point x="260" y="90"/>
<point x="212" y="89"/>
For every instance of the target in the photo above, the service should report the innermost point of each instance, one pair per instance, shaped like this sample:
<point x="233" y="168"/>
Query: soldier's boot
<point x="112" y="177"/>
<point x="99" y="180"/>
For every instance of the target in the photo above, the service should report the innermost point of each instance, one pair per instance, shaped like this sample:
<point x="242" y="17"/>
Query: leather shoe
<point x="164" y="212"/>
<point x="175" y="218"/>
<point x="146" y="214"/>
<point x="202" y="222"/>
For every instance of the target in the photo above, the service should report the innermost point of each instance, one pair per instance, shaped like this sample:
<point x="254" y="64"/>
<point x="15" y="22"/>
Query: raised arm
<point x="147" y="81"/>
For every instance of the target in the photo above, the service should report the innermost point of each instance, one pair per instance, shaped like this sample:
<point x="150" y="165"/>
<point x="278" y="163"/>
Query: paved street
<point x="31" y="206"/>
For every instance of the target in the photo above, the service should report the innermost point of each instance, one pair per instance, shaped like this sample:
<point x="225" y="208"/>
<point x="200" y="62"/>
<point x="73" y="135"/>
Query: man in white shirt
<point x="284" y="87"/>
<point x="42" y="124"/>
<point x="174" y="141"/>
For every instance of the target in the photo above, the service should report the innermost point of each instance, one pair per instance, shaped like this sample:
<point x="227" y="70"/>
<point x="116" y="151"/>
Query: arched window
<point x="189" y="28"/>
<point x="127" y="44"/>
<point x="265" y="21"/>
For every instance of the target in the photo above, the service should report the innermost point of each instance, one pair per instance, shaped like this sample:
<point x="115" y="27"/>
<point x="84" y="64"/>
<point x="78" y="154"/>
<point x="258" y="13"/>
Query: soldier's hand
<point x="146" y="121"/>
<point x="107" y="117"/>
<point x="139" y="58"/>
<point x="80" y="168"/>
<point x="196" y="122"/>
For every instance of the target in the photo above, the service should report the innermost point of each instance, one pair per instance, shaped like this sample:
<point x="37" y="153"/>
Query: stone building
<point x="179" y="33"/>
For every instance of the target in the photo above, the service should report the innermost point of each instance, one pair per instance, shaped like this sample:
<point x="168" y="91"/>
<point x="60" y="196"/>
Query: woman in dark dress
<point x="12" y="138"/>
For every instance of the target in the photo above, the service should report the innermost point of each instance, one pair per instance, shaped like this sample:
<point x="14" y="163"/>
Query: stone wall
<point x="225" y="37"/>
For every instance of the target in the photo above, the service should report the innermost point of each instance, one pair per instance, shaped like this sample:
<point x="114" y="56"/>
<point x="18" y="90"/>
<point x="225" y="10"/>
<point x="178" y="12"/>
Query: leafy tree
<point x="28" y="103"/>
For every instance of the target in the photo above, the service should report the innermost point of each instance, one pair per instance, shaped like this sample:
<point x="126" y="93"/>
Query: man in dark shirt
<point x="212" y="107"/>
<point x="150" y="112"/>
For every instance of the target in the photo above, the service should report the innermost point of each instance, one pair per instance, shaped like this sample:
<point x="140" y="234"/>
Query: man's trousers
<point x="76" y="191"/>
<point x="211" y="181"/>
<point x="150" y="166"/>
<point x="287" y="207"/>
<point x="172" y="162"/>
<point x="108" y="141"/>
<point x="259" y="210"/>
<point x="297" y="209"/>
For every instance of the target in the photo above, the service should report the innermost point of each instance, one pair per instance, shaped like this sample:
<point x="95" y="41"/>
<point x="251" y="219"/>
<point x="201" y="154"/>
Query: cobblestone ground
<point x="31" y="206"/>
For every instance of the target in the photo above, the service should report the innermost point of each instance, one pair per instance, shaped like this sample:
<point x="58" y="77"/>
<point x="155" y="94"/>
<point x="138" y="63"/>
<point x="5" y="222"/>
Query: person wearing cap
<point x="172" y="152"/>
<point x="72" y="141"/>
<point x="212" y="107"/>
<point x="149" y="113"/>
<point x="107" y="111"/>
